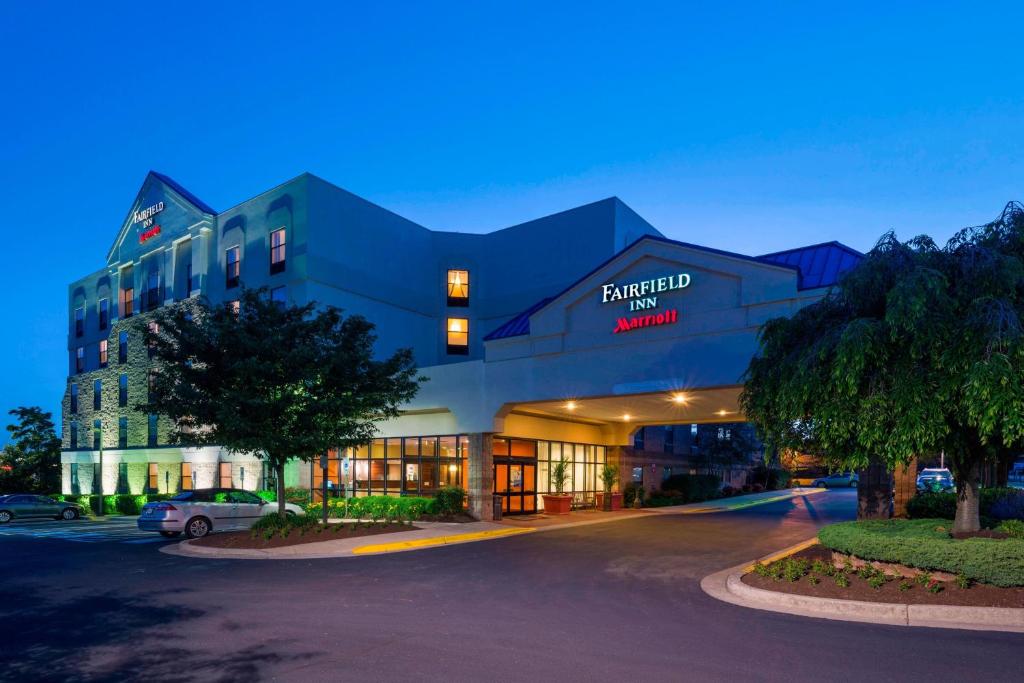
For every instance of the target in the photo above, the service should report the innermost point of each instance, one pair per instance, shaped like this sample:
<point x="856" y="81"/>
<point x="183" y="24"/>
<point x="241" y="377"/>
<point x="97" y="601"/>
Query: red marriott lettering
<point x="146" y="234"/>
<point x="626" y="324"/>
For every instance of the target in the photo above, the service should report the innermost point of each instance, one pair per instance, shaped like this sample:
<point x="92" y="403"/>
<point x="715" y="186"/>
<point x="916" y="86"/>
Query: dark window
<point x="152" y="431"/>
<point x="122" y="432"/>
<point x="74" y="398"/>
<point x="458" y="287"/>
<point x="279" y="295"/>
<point x="75" y="487"/>
<point x="638" y="440"/>
<point x="122" y="476"/>
<point x="233" y="269"/>
<point x="188" y="277"/>
<point x="74" y="439"/>
<point x="122" y="391"/>
<point x="79" y="322"/>
<point x="458" y="336"/>
<point x="79" y="359"/>
<point x="670" y="439"/>
<point x="122" y="347"/>
<point x="97" y="394"/>
<point x="277" y="251"/>
<point x="103" y="353"/>
<point x="129" y="302"/>
<point x="97" y="435"/>
<point x="104" y="314"/>
<point x="152" y="301"/>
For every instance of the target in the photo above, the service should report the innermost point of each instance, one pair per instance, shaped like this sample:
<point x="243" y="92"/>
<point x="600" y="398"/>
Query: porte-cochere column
<point x="481" y="476"/>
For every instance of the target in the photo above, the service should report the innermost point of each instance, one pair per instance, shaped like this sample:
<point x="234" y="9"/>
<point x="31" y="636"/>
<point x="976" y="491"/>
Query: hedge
<point x="926" y="544"/>
<point x="115" y="504"/>
<point x="375" y="507"/>
<point x="996" y="504"/>
<point x="691" y="488"/>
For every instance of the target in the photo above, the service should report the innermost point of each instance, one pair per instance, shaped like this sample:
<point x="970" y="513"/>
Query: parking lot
<point x="99" y="530"/>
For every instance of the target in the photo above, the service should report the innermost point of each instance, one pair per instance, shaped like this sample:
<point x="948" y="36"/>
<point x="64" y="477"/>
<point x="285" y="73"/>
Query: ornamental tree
<point x="31" y="461"/>
<point x="272" y="380"/>
<point x="917" y="350"/>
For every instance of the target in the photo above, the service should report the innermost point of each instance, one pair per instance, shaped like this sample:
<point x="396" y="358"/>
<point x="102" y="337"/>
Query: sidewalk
<point x="436" y="534"/>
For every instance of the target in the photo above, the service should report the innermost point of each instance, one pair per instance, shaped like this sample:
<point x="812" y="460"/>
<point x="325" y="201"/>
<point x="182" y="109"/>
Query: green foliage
<point x="876" y="581"/>
<point x="931" y="505"/>
<point x="962" y="581"/>
<point x="921" y="544"/>
<point x="842" y="581"/>
<point x="30" y="462"/>
<point x="630" y="493"/>
<point x="906" y="585"/>
<point x="276" y="381"/>
<point x="560" y="475"/>
<point x="269" y="525"/>
<point x="271" y="496"/>
<point x="608" y="475"/>
<point x="1013" y="527"/>
<point x="776" y="477"/>
<point x="919" y="349"/>
<point x="406" y="508"/>
<point x="449" y="500"/>
<point x="296" y="495"/>
<point x="794" y="568"/>
<point x="693" y="488"/>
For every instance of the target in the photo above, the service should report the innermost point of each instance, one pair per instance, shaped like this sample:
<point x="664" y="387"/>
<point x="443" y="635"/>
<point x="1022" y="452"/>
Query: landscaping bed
<point x="813" y="562"/>
<point x="246" y="539"/>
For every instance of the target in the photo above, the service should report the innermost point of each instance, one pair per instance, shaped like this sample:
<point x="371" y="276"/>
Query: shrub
<point x="996" y="503"/>
<point x="693" y="488"/>
<point x="1008" y="506"/>
<point x="296" y="495"/>
<point x="920" y="543"/>
<point x="384" y="507"/>
<point x="728" y="491"/>
<point x="448" y="500"/>
<point x="629" y="493"/>
<point x="772" y="480"/>
<point x="269" y="525"/>
<point x="269" y="496"/>
<point x="1013" y="527"/>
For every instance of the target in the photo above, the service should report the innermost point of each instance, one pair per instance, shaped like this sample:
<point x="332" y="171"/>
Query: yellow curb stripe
<point x="775" y="557"/>
<point x="750" y="503"/>
<point x="436" y="540"/>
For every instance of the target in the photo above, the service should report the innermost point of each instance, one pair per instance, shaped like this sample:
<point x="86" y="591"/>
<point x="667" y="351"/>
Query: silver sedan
<point x="197" y="513"/>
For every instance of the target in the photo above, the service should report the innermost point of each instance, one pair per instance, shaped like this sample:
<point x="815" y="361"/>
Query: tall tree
<point x="31" y="461"/>
<point x="272" y="380"/>
<point x="919" y="349"/>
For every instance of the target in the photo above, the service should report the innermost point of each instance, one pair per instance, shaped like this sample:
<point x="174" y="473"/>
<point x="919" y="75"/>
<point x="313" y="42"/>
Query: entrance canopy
<point x="659" y="408"/>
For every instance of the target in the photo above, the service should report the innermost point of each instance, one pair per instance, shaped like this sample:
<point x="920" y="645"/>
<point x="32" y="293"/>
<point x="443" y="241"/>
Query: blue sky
<point x="746" y="127"/>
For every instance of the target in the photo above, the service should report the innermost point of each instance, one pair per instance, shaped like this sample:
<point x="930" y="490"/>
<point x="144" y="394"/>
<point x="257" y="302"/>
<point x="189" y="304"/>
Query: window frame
<point x="232" y="280"/>
<point x="79" y="322"/>
<point x="122" y="348"/>
<point x="103" y="351"/>
<point x="153" y="477"/>
<point x="97" y="394"/>
<point x="456" y="349"/>
<point x="183" y="477"/>
<point x="122" y="432"/>
<point x="103" y="311"/>
<point x="278" y="265"/>
<point x="80" y="359"/>
<point x="221" y="475"/>
<point x="455" y="300"/>
<point x="73" y="407"/>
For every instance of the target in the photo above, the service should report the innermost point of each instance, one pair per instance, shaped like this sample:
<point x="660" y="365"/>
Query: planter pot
<point x="557" y="505"/>
<point x="616" y="501"/>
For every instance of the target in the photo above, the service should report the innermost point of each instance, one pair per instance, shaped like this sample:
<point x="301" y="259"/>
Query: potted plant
<point x="609" y="501"/>
<point x="558" y="503"/>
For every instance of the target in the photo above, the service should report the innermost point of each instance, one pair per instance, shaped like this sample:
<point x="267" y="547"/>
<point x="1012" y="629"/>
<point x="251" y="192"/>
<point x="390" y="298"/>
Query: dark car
<point x="25" y="505"/>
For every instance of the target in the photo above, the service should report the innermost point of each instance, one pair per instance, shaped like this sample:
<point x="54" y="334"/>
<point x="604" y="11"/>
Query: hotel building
<point x="558" y="337"/>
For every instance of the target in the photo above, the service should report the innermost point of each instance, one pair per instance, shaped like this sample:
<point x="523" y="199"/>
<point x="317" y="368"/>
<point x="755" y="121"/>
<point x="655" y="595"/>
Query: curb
<point x="378" y="548"/>
<point x="727" y="586"/>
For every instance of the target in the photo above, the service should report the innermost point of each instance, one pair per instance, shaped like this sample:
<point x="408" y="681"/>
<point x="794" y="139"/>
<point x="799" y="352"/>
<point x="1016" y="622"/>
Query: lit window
<point x="104" y="314"/>
<point x="186" y="476"/>
<point x="103" y="353"/>
<point x="97" y="394"/>
<point x="234" y="267"/>
<point x="79" y="322"/>
<point x="80" y="359"/>
<point x="74" y="398"/>
<point x="122" y="391"/>
<point x="154" y="477"/>
<point x="122" y="347"/>
<point x="129" y="302"/>
<point x="638" y="475"/>
<point x="279" y="295"/>
<point x="277" y="251"/>
<point x="122" y="432"/>
<point x="458" y="336"/>
<point x="458" y="287"/>
<point x="225" y="475"/>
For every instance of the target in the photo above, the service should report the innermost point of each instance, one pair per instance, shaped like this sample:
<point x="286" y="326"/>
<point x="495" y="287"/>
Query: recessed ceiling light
<point x="570" y="405"/>
<point x="625" y="417"/>
<point x="722" y="412"/>
<point x="679" y="398"/>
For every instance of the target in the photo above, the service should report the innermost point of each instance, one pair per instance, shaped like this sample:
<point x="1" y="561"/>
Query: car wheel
<point x="170" y="534"/>
<point x="197" y="527"/>
<point x="67" y="514"/>
<point x="5" y="516"/>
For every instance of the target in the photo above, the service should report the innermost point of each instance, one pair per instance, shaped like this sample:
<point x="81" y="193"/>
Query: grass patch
<point x="926" y="544"/>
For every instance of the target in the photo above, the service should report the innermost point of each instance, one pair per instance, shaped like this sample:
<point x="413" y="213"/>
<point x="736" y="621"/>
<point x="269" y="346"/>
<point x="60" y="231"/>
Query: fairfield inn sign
<point x="643" y="296"/>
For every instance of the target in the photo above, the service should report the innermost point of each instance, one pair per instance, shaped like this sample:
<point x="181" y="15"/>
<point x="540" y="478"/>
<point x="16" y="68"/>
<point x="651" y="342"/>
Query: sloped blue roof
<point x="819" y="265"/>
<point x="194" y="200"/>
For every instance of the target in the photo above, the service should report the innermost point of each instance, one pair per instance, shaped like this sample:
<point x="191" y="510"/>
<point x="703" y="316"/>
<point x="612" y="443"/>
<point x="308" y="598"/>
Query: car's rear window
<point x="194" y="497"/>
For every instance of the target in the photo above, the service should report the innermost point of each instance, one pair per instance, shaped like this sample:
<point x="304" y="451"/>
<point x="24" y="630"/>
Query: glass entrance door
<point x="516" y="481"/>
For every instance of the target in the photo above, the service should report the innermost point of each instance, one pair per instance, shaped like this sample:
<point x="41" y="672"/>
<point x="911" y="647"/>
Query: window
<point x="122" y="391"/>
<point x="122" y="432"/>
<point x="97" y="394"/>
<point x="279" y="295"/>
<point x="97" y="434"/>
<point x="75" y="486"/>
<point x="80" y="359"/>
<point x="104" y="313"/>
<point x="233" y="270"/>
<point x="670" y="439"/>
<point x="188" y="278"/>
<point x="122" y="348"/>
<point x="150" y="385"/>
<point x="277" y="251"/>
<point x="103" y="353"/>
<point x="186" y="476"/>
<point x="74" y="437"/>
<point x="638" y="475"/>
<point x="152" y="431"/>
<point x="79" y="322"/>
<point x="129" y="302"/>
<point x="122" y="477"/>
<point x="225" y="475"/>
<point x="458" y="336"/>
<point x="74" y="398"/>
<point x="458" y="287"/>
<point x="154" y="330"/>
<point x="154" y="477"/>
<point x="152" y="299"/>
<point x="638" y="440"/>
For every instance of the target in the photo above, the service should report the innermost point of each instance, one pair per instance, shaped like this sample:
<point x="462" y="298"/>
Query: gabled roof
<point x="820" y="265"/>
<point x="191" y="198"/>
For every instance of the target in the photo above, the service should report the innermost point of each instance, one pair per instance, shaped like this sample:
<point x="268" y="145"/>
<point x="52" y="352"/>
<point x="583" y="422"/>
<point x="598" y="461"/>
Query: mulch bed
<point x="461" y="518"/>
<point x="977" y="595"/>
<point x="332" y="532"/>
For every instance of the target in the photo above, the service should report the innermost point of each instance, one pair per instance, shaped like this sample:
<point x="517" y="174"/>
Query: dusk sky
<point x="740" y="128"/>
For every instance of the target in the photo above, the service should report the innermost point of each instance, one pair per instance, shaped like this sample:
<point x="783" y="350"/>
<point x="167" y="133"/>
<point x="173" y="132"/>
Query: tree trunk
<point x="968" y="508"/>
<point x="874" y="492"/>
<point x="279" y="469"/>
<point x="905" y="486"/>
